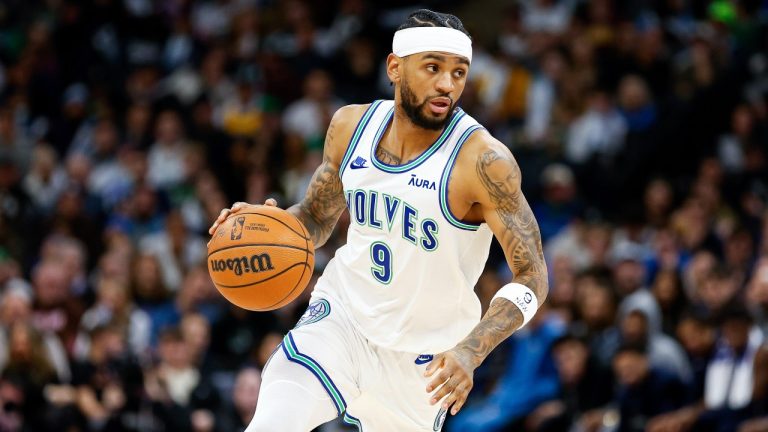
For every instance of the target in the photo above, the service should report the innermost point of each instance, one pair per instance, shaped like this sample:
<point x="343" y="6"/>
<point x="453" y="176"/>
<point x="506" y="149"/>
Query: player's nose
<point x="444" y="83"/>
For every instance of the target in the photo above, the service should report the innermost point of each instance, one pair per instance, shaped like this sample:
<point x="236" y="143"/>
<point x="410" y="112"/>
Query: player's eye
<point x="459" y="73"/>
<point x="432" y="67"/>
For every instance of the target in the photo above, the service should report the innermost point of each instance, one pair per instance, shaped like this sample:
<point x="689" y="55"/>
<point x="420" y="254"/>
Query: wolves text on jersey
<point x="380" y="211"/>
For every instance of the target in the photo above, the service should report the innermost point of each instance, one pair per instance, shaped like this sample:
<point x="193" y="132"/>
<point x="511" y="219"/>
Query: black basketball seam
<point x="256" y="244"/>
<point x="264" y="280"/>
<point x="278" y="220"/>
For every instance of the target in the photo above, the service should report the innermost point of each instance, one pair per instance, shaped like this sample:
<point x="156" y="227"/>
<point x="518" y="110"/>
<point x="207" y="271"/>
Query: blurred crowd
<point x="127" y="125"/>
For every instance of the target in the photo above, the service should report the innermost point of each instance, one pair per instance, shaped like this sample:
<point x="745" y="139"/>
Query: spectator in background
<point x="176" y="387"/>
<point x="55" y="311"/>
<point x="16" y="307"/>
<point x="596" y="306"/>
<point x="107" y="382"/>
<point x="639" y="320"/>
<point x="196" y="332"/>
<point x="697" y="336"/>
<point x="658" y="202"/>
<point x="44" y="181"/>
<point x="732" y="148"/>
<point x="15" y="146"/>
<point x="198" y="295"/>
<point x="598" y="134"/>
<point x="738" y="364"/>
<point x="586" y="387"/>
<point x="248" y="112"/>
<point x="176" y="249"/>
<point x="718" y="290"/>
<point x="306" y="119"/>
<point x="166" y="156"/>
<point x="730" y="382"/>
<point x="151" y="294"/>
<point x="644" y="390"/>
<point x="73" y="125"/>
<point x="139" y="214"/>
<point x="245" y="397"/>
<point x="559" y="205"/>
<point x="114" y="306"/>
<point x="137" y="126"/>
<point x="29" y="371"/>
<point x="668" y="292"/>
<point x="542" y="95"/>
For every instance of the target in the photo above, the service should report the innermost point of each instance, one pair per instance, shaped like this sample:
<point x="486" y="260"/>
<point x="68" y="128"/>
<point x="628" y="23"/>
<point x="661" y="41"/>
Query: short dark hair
<point x="428" y="18"/>
<point x="631" y="347"/>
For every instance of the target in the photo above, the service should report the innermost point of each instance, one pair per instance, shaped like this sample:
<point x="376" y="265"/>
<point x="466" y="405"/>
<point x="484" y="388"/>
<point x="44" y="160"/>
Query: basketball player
<point x="393" y="332"/>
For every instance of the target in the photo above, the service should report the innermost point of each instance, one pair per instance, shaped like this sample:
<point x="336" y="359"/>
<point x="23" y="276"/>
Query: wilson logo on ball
<point x="256" y="263"/>
<point x="237" y="228"/>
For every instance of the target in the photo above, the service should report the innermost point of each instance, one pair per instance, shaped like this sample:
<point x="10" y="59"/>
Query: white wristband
<point x="522" y="297"/>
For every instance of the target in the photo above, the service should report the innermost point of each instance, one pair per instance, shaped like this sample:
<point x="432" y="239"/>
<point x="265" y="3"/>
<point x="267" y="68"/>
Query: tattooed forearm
<point x="519" y="236"/>
<point x="501" y="319"/>
<point x="324" y="201"/>
<point x="387" y="157"/>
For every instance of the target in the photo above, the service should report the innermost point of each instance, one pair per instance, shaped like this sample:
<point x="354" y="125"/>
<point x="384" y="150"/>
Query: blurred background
<point x="127" y="125"/>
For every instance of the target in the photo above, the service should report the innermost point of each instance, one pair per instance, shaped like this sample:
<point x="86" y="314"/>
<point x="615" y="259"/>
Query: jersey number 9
<point x="381" y="256"/>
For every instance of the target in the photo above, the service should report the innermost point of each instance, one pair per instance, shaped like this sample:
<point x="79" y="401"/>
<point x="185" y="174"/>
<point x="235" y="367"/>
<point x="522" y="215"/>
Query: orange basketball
<point x="261" y="258"/>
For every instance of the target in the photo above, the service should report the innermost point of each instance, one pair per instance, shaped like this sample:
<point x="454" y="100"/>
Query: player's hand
<point x="236" y="207"/>
<point x="454" y="379"/>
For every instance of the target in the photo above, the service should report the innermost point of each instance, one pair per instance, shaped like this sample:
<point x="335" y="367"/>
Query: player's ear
<point x="394" y="68"/>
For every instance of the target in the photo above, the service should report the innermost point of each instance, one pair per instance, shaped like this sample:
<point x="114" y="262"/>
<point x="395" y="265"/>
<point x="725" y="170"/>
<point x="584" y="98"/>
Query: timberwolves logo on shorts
<point x="315" y="312"/>
<point x="439" y="420"/>
<point x="237" y="228"/>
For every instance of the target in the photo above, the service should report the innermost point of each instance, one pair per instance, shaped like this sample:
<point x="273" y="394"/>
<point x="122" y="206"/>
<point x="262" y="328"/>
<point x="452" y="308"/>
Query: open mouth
<point x="440" y="105"/>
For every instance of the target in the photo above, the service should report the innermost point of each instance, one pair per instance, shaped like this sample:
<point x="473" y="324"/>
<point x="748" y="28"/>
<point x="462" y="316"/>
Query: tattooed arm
<point x="496" y="182"/>
<point x="324" y="200"/>
<point x="507" y="213"/>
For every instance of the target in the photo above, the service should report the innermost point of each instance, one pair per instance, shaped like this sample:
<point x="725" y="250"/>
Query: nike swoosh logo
<point x="354" y="166"/>
<point x="424" y="358"/>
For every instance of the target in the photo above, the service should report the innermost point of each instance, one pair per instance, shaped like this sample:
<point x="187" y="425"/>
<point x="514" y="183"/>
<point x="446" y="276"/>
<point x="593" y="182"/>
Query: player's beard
<point x="415" y="110"/>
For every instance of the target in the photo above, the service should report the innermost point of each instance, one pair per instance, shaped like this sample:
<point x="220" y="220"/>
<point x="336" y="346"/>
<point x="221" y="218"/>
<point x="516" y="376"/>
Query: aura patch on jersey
<point x="316" y="311"/>
<point x="379" y="210"/>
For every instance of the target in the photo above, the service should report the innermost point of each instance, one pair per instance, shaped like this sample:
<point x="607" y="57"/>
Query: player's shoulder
<point x="347" y="116"/>
<point x="482" y="145"/>
<point x="341" y="129"/>
<point x="484" y="158"/>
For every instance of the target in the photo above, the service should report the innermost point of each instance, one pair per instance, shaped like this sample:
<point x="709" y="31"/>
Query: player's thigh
<point x="291" y="399"/>
<point x="326" y="344"/>
<point x="394" y="395"/>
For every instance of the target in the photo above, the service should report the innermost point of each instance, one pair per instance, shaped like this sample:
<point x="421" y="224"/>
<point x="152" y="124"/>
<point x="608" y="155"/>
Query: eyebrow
<point x="443" y="58"/>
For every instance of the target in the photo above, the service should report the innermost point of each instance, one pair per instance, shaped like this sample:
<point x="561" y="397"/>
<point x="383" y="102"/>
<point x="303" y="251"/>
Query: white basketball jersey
<point x="408" y="270"/>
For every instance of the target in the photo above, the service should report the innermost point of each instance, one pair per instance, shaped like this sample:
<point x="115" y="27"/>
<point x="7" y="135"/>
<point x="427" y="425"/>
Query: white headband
<point x="421" y="39"/>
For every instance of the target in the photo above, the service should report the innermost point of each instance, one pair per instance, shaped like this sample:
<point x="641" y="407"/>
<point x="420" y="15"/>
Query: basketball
<point x="261" y="259"/>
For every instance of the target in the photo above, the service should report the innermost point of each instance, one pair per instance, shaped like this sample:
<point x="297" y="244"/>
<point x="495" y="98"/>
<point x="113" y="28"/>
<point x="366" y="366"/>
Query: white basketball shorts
<point x="375" y="389"/>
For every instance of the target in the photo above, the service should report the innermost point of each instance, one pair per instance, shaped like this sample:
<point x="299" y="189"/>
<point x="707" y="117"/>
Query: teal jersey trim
<point x="361" y="125"/>
<point x="397" y="169"/>
<point x="443" y="192"/>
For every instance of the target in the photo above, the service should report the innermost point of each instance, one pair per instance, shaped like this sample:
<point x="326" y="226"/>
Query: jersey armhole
<point x="443" y="192"/>
<point x="355" y="139"/>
